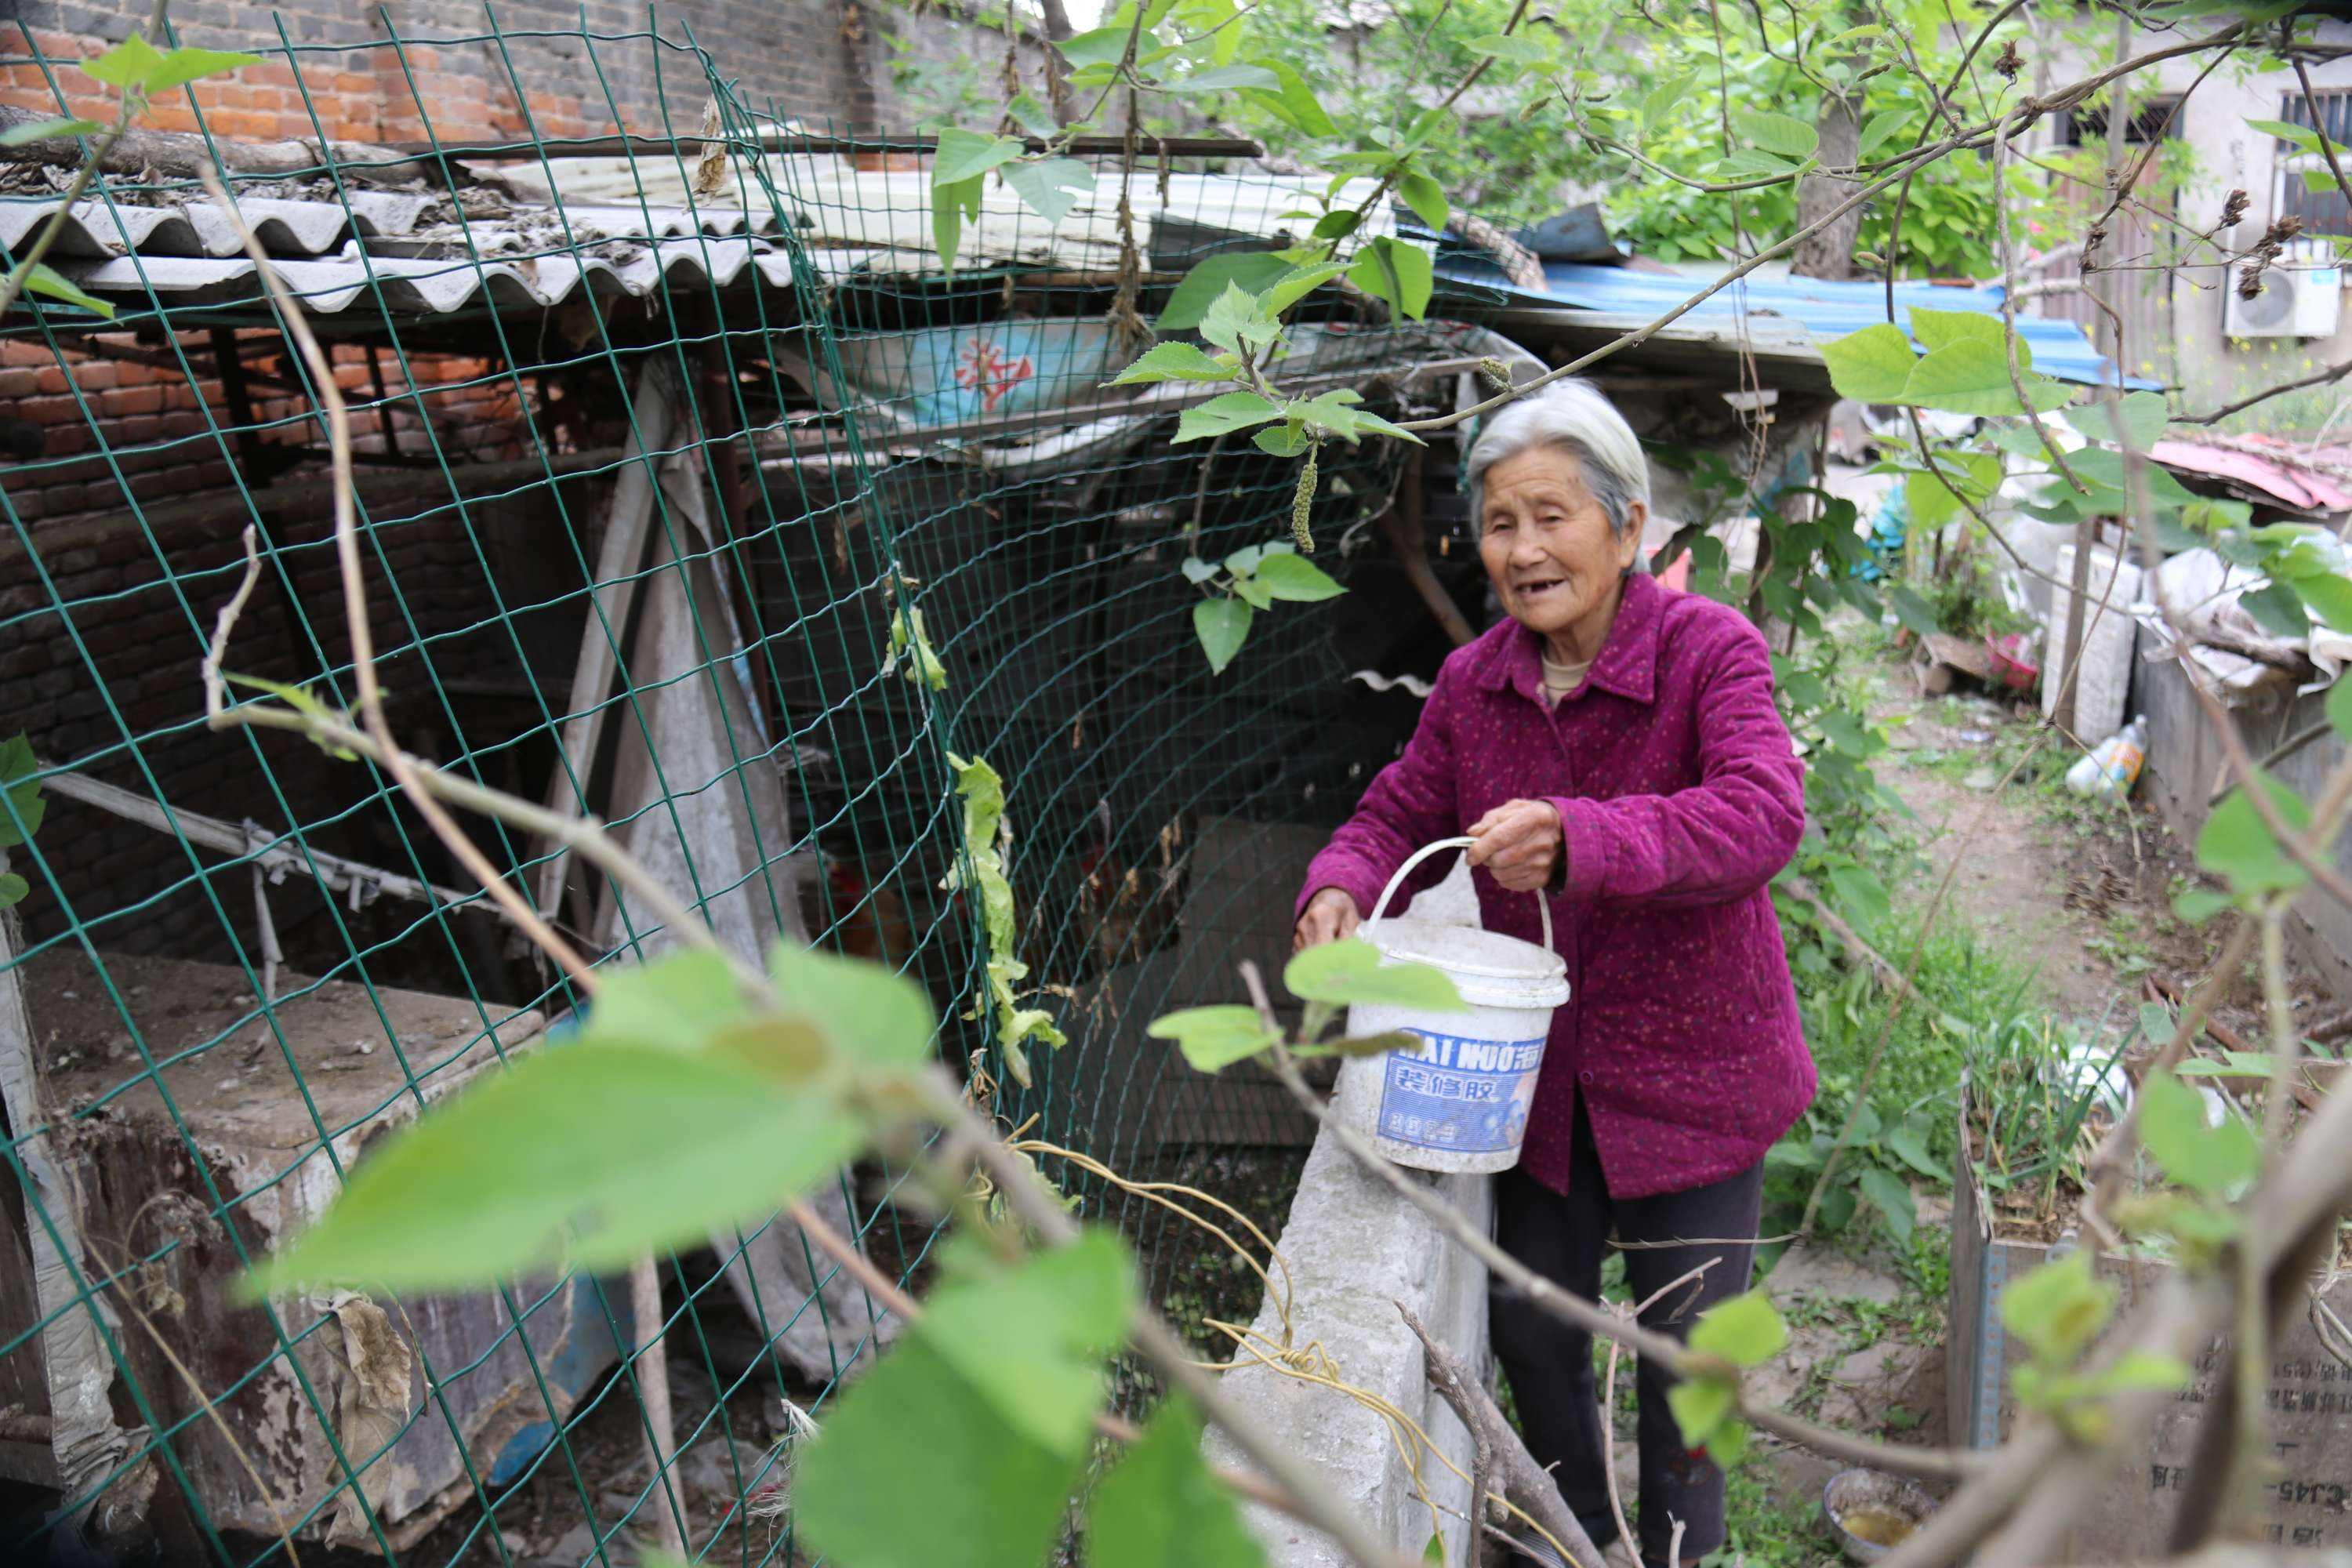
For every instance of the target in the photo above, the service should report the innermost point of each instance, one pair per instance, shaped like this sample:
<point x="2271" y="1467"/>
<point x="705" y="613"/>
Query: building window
<point x="2088" y="127"/>
<point x="2318" y="201"/>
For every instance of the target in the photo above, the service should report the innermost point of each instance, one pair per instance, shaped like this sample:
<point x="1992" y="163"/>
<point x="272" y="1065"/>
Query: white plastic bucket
<point x="1460" y="1102"/>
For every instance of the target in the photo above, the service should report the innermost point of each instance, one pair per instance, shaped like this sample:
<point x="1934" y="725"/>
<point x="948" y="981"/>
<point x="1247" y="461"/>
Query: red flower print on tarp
<point x="985" y="370"/>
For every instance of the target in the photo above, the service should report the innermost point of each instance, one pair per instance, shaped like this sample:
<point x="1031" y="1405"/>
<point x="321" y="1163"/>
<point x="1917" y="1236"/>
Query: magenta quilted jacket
<point x="1681" y="798"/>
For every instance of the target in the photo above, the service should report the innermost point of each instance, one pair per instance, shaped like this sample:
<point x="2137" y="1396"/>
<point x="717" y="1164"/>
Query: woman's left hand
<point x="1519" y="843"/>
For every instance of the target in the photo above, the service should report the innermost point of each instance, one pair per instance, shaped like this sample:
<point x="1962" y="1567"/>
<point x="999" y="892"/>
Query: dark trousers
<point x="1550" y="1364"/>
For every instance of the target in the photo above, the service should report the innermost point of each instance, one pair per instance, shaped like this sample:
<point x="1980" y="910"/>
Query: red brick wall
<point x="822" y="58"/>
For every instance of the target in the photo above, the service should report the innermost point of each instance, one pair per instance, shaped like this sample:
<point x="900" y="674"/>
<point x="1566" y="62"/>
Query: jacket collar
<point x="1628" y="665"/>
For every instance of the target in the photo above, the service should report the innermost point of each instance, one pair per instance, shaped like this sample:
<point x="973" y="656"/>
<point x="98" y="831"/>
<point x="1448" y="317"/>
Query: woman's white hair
<point x="1574" y="418"/>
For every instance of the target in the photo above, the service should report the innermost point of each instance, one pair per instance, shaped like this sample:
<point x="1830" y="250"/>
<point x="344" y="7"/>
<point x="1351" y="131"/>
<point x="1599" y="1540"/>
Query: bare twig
<point x="1525" y="1482"/>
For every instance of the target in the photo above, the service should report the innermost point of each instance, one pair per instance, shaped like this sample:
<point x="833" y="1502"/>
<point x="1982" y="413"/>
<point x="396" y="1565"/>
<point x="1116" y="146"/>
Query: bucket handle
<point x="1543" y="905"/>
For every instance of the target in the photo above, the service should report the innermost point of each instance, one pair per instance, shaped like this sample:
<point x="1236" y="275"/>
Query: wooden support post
<point x="84" y="1440"/>
<point x="628" y="520"/>
<point x="231" y="365"/>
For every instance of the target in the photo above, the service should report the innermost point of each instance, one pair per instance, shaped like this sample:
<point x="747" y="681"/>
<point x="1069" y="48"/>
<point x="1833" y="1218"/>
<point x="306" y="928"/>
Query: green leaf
<point x="2301" y="135"/>
<point x="1666" y="95"/>
<point x="1223" y="415"/>
<point x="952" y="205"/>
<point x="1032" y="116"/>
<point x="967" y="155"/>
<point x="2137" y="1371"/>
<point x="2156" y="1022"/>
<point x="875" y="1013"/>
<point x="1861" y="895"/>
<point x="1873" y="365"/>
<point x="2326" y="596"/>
<point x="1745" y="1329"/>
<point x="1748" y="163"/>
<point x="1051" y="186"/>
<point x="2059" y="1308"/>
<point x="1296" y="284"/>
<point x="1252" y="593"/>
<point x="2278" y="609"/>
<point x="1244" y="561"/>
<point x="1702" y="1406"/>
<point x="182" y="65"/>
<point x="1160" y="1506"/>
<point x="677" y="1002"/>
<point x="1941" y="329"/>
<point x="1031" y="1340"/>
<point x="2198" y="905"/>
<point x="1780" y="134"/>
<point x="585" y="1154"/>
<point x="1223" y="78"/>
<point x="1221" y="625"/>
<point x="991" y="1498"/>
<point x="44" y="279"/>
<point x="2236" y="845"/>
<point x="1352" y="971"/>
<point x="1402" y="274"/>
<point x="1250" y="270"/>
<point x="1287" y="440"/>
<point x="1236" y="318"/>
<point x="1425" y="196"/>
<point x="1295" y="103"/>
<point x="127" y="65"/>
<point x="1170" y="362"/>
<point x="1972" y="376"/>
<point x="2174" y="1129"/>
<point x="1212" y="1037"/>
<point x="1906" y="1145"/>
<point x="1099" y="46"/>
<point x="1435" y="1551"/>
<point x="1881" y="125"/>
<point x="1508" y="49"/>
<point x="17" y="765"/>
<point x="42" y="130"/>
<point x="2144" y="418"/>
<point x="1196" y="570"/>
<point x="1891" y="1196"/>
<point x="1298" y="580"/>
<point x="13" y="889"/>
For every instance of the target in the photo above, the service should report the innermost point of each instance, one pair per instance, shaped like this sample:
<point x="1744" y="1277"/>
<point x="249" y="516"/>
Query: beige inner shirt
<point x="1560" y="679"/>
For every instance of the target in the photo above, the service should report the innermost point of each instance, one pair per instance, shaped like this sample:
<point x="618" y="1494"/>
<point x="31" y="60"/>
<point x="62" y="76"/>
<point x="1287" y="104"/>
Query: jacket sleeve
<point x="1722" y="838"/>
<point x="1411" y="802"/>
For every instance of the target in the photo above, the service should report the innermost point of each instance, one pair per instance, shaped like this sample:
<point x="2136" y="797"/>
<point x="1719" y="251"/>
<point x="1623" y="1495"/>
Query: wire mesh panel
<point x="659" y="455"/>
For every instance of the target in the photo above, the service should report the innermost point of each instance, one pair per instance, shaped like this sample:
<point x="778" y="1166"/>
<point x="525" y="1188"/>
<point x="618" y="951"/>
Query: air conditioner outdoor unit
<point x="2295" y="303"/>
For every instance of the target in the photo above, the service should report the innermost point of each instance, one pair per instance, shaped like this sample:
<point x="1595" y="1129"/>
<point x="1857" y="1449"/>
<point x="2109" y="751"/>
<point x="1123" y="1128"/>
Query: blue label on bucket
<point x="1468" y="1096"/>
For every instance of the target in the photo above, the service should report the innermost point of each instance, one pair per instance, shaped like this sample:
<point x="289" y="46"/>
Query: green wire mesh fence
<point x="656" y="451"/>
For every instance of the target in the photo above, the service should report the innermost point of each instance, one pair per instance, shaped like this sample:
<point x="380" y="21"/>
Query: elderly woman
<point x="1612" y="746"/>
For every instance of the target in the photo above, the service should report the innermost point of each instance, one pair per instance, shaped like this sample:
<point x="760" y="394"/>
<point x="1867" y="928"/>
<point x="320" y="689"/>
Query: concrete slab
<point x="1355" y="1249"/>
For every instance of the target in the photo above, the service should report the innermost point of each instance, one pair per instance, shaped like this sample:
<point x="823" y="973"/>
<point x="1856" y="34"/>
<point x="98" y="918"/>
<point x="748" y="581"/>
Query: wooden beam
<point x="332" y="871"/>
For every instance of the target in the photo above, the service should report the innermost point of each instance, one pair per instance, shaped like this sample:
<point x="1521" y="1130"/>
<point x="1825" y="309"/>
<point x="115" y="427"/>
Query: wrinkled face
<point x="1555" y="562"/>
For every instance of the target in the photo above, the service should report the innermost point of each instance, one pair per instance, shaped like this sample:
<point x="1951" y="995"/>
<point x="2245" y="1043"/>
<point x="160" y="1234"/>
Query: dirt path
<point x="2015" y="883"/>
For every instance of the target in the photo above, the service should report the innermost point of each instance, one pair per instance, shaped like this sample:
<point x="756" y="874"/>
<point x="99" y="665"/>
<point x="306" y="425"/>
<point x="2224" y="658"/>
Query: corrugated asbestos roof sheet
<point x="624" y="226"/>
<point x="1785" y="312"/>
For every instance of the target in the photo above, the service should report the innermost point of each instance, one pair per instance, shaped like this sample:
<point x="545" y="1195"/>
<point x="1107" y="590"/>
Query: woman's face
<point x="1555" y="561"/>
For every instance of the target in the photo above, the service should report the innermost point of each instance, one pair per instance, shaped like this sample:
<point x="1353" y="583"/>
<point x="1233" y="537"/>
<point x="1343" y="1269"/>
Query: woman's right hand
<point x="1331" y="915"/>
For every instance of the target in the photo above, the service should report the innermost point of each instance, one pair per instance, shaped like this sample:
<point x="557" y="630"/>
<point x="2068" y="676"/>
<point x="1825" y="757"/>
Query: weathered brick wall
<point x="531" y="72"/>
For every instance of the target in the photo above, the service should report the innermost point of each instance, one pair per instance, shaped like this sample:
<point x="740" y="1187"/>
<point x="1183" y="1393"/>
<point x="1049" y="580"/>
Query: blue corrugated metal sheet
<point x="1825" y="310"/>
